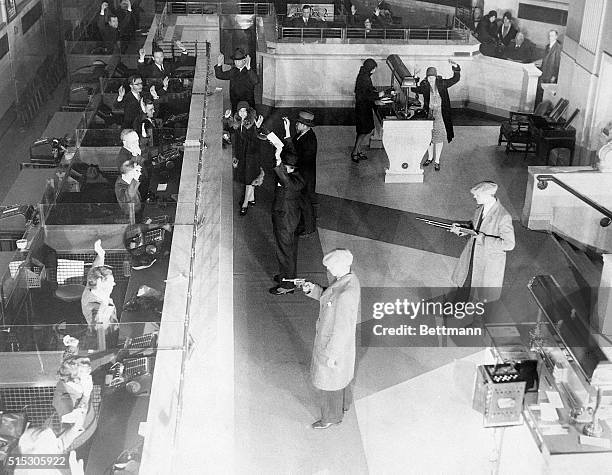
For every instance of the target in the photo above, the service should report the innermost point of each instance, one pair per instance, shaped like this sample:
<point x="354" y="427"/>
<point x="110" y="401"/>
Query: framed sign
<point x="320" y="11"/>
<point x="11" y="10"/>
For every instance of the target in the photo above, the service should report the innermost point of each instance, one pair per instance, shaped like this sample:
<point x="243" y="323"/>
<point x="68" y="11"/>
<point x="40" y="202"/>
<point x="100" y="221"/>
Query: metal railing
<point x="216" y="8"/>
<point x="543" y="184"/>
<point x="402" y="34"/>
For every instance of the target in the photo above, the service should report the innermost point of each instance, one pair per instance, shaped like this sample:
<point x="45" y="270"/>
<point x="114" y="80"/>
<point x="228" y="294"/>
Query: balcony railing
<point x="543" y="184"/>
<point x="401" y="34"/>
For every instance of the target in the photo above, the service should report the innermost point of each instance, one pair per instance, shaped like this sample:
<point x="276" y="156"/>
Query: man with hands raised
<point x="158" y="68"/>
<point x="241" y="77"/>
<point x="333" y="354"/>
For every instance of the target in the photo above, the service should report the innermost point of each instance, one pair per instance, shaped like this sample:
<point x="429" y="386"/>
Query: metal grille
<point x="115" y="259"/>
<point x="143" y="341"/>
<point x="36" y="402"/>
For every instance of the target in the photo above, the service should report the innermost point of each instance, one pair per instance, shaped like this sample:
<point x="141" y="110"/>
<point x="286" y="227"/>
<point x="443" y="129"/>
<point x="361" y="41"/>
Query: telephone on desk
<point x="125" y="371"/>
<point x="146" y="243"/>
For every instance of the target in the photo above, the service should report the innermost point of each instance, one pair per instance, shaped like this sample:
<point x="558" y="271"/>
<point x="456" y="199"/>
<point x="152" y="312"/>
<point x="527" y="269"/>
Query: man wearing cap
<point x="286" y="216"/>
<point x="241" y="77"/>
<point x="333" y="354"/>
<point x="305" y="144"/>
<point x="482" y="263"/>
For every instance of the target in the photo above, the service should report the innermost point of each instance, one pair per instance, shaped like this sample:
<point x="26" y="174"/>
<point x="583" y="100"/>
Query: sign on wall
<point x="320" y="11"/>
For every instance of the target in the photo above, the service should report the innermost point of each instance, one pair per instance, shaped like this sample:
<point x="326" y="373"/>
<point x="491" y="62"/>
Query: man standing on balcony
<point x="306" y="20"/>
<point x="550" y="63"/>
<point x="241" y="77"/>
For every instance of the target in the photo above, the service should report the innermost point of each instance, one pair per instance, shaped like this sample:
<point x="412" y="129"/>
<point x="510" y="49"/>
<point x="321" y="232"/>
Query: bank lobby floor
<point x="275" y="402"/>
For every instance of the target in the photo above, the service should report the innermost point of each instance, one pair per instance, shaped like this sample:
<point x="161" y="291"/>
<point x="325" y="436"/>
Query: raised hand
<point x="307" y="287"/>
<point x="99" y="250"/>
<point x="220" y="59"/>
<point x="248" y="61"/>
<point x="286" y="124"/>
<point x="259" y="121"/>
<point x="153" y="93"/>
<point x="228" y="113"/>
<point x="165" y="82"/>
<point x="234" y="162"/>
<point x="103" y="7"/>
<point x="180" y="46"/>
<point x="141" y="52"/>
<point x="121" y="93"/>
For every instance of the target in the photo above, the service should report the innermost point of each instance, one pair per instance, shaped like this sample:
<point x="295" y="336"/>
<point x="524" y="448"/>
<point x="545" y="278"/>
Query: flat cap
<point x="342" y="257"/>
<point x="488" y="187"/>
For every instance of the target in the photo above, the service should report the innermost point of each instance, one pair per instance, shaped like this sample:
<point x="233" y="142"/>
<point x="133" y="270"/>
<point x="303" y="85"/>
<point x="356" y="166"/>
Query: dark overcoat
<point x="365" y="96"/>
<point x="442" y="85"/>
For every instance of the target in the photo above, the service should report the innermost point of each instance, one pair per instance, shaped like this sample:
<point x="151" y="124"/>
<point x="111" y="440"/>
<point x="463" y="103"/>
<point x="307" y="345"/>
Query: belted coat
<point x="489" y="262"/>
<point x="335" y="333"/>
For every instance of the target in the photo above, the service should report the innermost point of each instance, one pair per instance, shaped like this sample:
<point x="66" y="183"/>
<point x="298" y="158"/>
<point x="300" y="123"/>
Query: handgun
<point x="296" y="282"/>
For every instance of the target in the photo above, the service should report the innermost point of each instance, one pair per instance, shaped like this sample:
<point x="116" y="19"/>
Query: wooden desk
<point x="62" y="124"/>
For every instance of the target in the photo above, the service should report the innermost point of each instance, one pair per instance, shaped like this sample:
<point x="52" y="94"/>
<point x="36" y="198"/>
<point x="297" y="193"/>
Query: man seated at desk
<point x="126" y="189"/>
<point x="96" y="303"/>
<point x="131" y="152"/>
<point x="519" y="49"/>
<point x="159" y="68"/>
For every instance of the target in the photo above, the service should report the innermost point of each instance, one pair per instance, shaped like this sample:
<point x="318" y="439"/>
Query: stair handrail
<point x="543" y="184"/>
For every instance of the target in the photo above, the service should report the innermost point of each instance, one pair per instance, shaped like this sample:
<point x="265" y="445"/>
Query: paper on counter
<point x="554" y="399"/>
<point x="162" y="187"/>
<point x="548" y="413"/>
<point x="554" y="429"/>
<point x="596" y="441"/>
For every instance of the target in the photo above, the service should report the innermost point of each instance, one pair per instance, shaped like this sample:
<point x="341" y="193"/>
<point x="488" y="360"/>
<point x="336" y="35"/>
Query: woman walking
<point x="246" y="151"/>
<point x="365" y="97"/>
<point x="437" y="104"/>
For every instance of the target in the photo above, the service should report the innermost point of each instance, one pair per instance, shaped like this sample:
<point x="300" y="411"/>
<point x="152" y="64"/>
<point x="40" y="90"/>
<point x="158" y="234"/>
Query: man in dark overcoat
<point x="333" y="354"/>
<point x="305" y="143"/>
<point x="286" y="217"/>
<point x="241" y="77"/>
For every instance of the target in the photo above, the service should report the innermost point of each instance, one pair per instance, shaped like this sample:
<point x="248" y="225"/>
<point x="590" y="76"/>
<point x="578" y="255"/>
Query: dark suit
<point x="242" y="84"/>
<point x="522" y="53"/>
<point x="550" y="63"/>
<point x="306" y="149"/>
<point x="510" y="35"/>
<point x="150" y="70"/>
<point x="285" y="220"/>
<point x="131" y="109"/>
<point x="298" y="22"/>
<point x="108" y="34"/>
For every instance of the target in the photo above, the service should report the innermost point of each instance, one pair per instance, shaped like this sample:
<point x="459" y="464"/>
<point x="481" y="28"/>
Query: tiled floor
<point x="275" y="402"/>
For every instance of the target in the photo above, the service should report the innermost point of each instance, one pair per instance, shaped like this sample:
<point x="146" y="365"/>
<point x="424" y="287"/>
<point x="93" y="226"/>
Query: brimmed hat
<point x="431" y="71"/>
<point x="289" y="157"/>
<point x="243" y="105"/>
<point x="306" y="118"/>
<point x="238" y="54"/>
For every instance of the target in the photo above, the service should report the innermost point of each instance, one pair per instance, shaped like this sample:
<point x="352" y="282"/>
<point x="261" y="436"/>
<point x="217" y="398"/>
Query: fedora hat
<point x="306" y="118"/>
<point x="238" y="54"/>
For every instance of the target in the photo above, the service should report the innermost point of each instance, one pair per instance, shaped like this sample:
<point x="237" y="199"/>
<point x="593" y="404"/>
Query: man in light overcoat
<point x="482" y="263"/>
<point x="333" y="355"/>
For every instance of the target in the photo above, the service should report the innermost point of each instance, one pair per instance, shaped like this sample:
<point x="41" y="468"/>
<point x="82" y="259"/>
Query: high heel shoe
<point x="362" y="156"/>
<point x="427" y="162"/>
<point x="243" y="211"/>
<point x="355" y="158"/>
<point x="437" y="167"/>
<point x="252" y="203"/>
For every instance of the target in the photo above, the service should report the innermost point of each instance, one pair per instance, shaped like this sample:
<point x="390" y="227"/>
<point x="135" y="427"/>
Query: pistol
<point x="296" y="282"/>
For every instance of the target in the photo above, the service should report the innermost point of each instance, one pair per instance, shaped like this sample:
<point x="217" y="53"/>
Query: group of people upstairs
<point x="503" y="39"/>
<point x="380" y="17"/>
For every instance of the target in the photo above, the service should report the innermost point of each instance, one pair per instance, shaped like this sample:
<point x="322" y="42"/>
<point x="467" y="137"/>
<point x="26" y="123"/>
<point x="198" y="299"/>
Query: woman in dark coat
<point x="437" y="104"/>
<point x="365" y="97"/>
<point x="249" y="172"/>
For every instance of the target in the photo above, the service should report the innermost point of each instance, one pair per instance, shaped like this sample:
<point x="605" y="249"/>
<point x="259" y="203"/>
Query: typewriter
<point x="122" y="372"/>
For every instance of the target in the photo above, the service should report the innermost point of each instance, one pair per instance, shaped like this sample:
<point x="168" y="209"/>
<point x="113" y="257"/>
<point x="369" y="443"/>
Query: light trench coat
<point x="335" y="334"/>
<point x="489" y="256"/>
